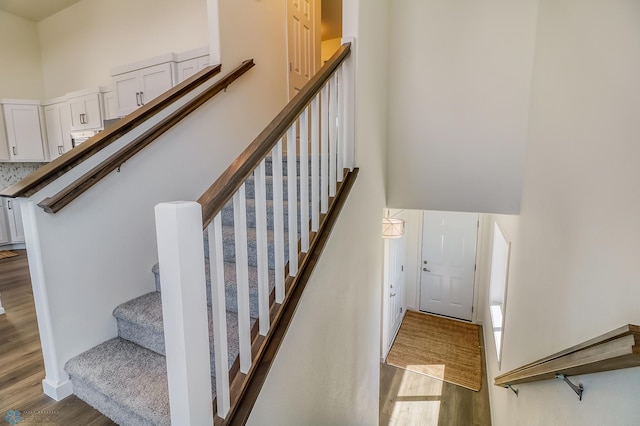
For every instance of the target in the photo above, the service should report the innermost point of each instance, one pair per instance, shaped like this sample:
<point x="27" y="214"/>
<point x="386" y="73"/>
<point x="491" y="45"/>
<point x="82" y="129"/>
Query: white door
<point x="448" y="263"/>
<point x="303" y="48"/>
<point x="396" y="293"/>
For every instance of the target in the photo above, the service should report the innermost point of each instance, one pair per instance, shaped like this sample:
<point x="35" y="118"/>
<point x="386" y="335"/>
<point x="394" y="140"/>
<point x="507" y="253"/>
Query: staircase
<point x="125" y="378"/>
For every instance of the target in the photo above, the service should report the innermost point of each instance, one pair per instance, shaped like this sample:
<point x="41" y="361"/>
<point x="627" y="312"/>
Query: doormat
<point x="439" y="347"/>
<point x="5" y="254"/>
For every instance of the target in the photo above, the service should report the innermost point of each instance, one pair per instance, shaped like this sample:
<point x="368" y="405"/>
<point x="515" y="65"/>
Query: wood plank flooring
<point x="408" y="398"/>
<point x="21" y="364"/>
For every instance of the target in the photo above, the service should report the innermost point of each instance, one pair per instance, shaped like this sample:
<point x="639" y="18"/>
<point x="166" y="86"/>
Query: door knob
<point x="393" y="294"/>
<point x="425" y="262"/>
<point x="426" y="270"/>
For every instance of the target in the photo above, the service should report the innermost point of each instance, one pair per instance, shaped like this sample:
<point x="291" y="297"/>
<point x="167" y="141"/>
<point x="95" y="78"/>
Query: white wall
<point x="327" y="371"/>
<point x="575" y="247"/>
<point x="81" y="44"/>
<point x="21" y="70"/>
<point x="98" y="251"/>
<point x="459" y="95"/>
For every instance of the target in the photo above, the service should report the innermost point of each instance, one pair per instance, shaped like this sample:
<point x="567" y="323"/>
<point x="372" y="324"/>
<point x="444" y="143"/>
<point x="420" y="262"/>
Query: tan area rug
<point x="439" y="347"/>
<point x="5" y="254"/>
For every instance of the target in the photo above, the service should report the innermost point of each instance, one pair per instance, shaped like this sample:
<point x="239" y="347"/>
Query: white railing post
<point x="349" y="95"/>
<point x="219" y="314"/>
<point x="184" y="311"/>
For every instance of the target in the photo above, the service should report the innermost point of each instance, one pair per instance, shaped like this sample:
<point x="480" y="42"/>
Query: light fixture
<point x="392" y="227"/>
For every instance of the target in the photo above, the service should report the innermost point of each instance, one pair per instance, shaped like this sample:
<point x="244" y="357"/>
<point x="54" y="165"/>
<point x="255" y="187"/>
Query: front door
<point x="448" y="263"/>
<point x="395" y="286"/>
<point x="302" y="38"/>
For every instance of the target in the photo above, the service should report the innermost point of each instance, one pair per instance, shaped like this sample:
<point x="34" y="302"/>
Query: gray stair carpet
<point x="125" y="378"/>
<point x="231" y="292"/>
<point x="125" y="381"/>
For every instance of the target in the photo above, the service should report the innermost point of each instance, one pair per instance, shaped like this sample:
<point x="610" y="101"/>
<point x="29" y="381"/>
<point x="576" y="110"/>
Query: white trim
<point x="56" y="383"/>
<point x="57" y="391"/>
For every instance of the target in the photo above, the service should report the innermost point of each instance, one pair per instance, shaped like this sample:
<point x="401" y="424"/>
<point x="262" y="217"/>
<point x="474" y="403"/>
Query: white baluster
<point x="324" y="149"/>
<point x="278" y="219"/>
<point x="348" y="93"/>
<point x="304" y="180"/>
<point x="332" y="135"/>
<point x="292" y="199"/>
<point x="340" y="124"/>
<point x="242" y="276"/>
<point x="184" y="309"/>
<point x="315" y="165"/>
<point x="262" y="249"/>
<point x="219" y="311"/>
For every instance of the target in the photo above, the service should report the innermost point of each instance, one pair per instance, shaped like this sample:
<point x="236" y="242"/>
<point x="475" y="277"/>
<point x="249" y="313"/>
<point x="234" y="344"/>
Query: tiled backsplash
<point x="11" y="173"/>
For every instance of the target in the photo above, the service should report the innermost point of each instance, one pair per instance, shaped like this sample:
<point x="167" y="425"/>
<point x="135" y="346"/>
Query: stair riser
<point x="228" y="216"/>
<point x="250" y="189"/>
<point x="269" y="165"/>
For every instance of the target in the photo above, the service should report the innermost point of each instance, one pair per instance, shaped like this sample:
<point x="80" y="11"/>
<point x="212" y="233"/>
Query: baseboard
<point x="57" y="391"/>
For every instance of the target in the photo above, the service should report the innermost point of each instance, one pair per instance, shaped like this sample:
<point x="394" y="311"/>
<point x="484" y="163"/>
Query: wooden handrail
<point x="75" y="189"/>
<point x="617" y="349"/>
<point x="218" y="194"/>
<point x="56" y="168"/>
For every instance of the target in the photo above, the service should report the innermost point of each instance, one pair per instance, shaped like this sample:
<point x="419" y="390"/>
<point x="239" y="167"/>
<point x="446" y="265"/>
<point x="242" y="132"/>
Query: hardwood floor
<point x="21" y="364"/>
<point x="408" y="398"/>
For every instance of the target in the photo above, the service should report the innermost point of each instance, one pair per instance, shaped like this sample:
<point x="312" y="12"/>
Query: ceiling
<point x="34" y="10"/>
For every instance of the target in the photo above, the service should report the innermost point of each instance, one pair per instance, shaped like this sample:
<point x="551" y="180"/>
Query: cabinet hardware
<point x="141" y="98"/>
<point x="13" y="148"/>
<point x="9" y="206"/>
<point x="60" y="149"/>
<point x="138" y="98"/>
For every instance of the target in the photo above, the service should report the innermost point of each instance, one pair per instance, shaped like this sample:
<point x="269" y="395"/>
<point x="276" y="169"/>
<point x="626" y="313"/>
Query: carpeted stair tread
<point x="140" y="321"/>
<point x="228" y="219"/>
<point x="120" y="376"/>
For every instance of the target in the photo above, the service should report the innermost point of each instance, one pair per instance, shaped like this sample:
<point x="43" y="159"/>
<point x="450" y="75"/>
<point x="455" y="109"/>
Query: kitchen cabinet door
<point x="135" y="88"/>
<point x="110" y="105"/>
<point x="155" y="81"/>
<point x="4" y="146"/>
<point x="4" y="227"/>
<point x="24" y="132"/>
<point x="14" y="219"/>
<point x="58" y="124"/>
<point x="186" y="69"/>
<point x="86" y="112"/>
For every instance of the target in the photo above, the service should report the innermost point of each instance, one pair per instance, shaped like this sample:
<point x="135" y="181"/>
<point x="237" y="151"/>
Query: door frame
<point x="475" y="318"/>
<point x="387" y="337"/>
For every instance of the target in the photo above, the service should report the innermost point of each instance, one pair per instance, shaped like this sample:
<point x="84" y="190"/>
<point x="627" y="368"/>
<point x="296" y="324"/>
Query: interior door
<point x="448" y="263"/>
<point x="396" y="293"/>
<point x="302" y="45"/>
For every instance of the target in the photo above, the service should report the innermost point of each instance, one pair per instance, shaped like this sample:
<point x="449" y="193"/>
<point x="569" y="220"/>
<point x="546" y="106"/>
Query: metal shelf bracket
<point x="514" y="390"/>
<point x="577" y="389"/>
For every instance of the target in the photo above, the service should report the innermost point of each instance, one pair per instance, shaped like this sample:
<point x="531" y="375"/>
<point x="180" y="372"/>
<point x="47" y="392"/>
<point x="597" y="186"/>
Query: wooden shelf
<point x="617" y="349"/>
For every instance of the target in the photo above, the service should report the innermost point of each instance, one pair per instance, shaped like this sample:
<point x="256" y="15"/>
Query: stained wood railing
<point x="617" y="349"/>
<point x="58" y="167"/>
<point x="313" y="135"/>
<point x="79" y="186"/>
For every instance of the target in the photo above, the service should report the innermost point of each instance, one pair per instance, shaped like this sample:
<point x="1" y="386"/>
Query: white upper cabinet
<point x="136" y="88"/>
<point x="110" y="104"/>
<point x="57" y="118"/>
<point x="86" y="112"/>
<point x="4" y="228"/>
<point x="4" y="147"/>
<point x="189" y="63"/>
<point x="24" y="131"/>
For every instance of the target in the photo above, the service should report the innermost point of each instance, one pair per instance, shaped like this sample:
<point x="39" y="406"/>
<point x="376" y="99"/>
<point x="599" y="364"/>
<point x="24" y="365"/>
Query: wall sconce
<point x="392" y="227"/>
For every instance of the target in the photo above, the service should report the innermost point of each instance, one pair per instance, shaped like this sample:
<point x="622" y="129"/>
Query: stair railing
<point x="614" y="350"/>
<point x="310" y="140"/>
<point x="56" y="168"/>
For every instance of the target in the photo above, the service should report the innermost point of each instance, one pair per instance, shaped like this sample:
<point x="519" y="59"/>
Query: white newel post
<point x="184" y="310"/>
